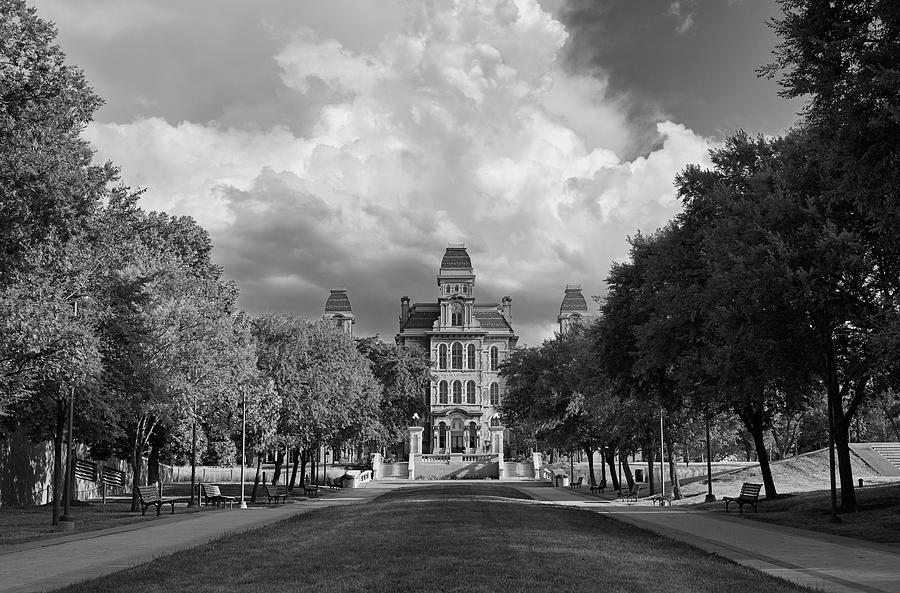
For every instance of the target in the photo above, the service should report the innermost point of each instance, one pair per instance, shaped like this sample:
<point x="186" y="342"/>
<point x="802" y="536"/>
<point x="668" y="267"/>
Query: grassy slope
<point x="454" y="538"/>
<point x="878" y="518"/>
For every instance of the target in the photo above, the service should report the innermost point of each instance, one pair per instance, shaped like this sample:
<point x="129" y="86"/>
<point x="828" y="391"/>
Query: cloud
<point x="683" y="15"/>
<point x="459" y="125"/>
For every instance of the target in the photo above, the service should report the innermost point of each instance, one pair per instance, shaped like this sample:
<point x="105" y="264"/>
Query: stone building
<point x="338" y="310"/>
<point x="466" y="341"/>
<point x="573" y="310"/>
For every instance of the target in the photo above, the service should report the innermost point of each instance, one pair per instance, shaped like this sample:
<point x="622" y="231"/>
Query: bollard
<point x="860" y="482"/>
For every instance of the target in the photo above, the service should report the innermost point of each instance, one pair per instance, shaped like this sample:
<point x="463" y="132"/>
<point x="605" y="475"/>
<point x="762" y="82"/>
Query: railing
<point x="479" y="457"/>
<point x="432" y="458"/>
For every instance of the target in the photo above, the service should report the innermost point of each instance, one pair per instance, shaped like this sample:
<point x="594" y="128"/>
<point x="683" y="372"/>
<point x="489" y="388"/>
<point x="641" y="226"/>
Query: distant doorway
<point x="456" y="443"/>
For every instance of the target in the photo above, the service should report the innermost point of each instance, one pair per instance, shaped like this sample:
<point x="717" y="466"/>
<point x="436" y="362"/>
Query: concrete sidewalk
<point x="818" y="560"/>
<point x="49" y="564"/>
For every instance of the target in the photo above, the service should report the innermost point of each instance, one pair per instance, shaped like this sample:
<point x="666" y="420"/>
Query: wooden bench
<point x="598" y="488"/>
<point x="749" y="495"/>
<point x="334" y="482"/>
<point x="632" y="494"/>
<point x="662" y="500"/>
<point x="310" y="488"/>
<point x="212" y="494"/>
<point x="577" y="483"/>
<point x="150" y="497"/>
<point x="273" y="494"/>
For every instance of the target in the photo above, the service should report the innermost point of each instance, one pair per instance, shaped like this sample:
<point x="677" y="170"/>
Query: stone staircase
<point x="890" y="451"/>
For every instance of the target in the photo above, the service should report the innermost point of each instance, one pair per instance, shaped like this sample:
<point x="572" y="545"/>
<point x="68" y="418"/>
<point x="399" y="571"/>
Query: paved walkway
<point x="48" y="564"/>
<point x="818" y="560"/>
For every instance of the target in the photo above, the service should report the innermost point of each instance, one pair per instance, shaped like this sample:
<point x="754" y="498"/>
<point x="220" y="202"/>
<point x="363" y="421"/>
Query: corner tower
<point x="339" y="311"/>
<point x="573" y="309"/>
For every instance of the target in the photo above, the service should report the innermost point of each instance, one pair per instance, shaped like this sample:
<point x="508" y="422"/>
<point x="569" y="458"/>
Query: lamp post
<point x="710" y="497"/>
<point x="67" y="521"/>
<point x="243" y="441"/>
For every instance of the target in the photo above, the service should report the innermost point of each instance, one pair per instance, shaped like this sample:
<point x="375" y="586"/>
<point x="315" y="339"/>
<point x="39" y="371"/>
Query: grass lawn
<point x="23" y="524"/>
<point x="878" y="518"/>
<point x="458" y="537"/>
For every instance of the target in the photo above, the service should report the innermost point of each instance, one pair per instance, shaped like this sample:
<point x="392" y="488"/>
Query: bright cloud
<point x="461" y="125"/>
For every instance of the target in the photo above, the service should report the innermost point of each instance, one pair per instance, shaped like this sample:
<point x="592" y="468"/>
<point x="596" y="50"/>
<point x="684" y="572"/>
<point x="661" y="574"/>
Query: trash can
<point x="562" y="481"/>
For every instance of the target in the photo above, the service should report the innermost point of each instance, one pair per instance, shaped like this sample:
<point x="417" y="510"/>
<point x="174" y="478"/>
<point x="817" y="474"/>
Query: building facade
<point x="467" y="341"/>
<point x="573" y="310"/>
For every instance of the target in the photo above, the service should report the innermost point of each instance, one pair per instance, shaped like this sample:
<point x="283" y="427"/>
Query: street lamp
<point x="710" y="497"/>
<point x="243" y="441"/>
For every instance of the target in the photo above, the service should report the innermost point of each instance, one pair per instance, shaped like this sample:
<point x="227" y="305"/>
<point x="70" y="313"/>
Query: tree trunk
<point x="137" y="462"/>
<point x="754" y="424"/>
<point x="845" y="470"/>
<point x="193" y="462"/>
<point x="57" y="459"/>
<point x="153" y="464"/>
<point x="673" y="470"/>
<point x="610" y="458"/>
<point x="296" y="454"/>
<point x="623" y="459"/>
<point x="276" y="474"/>
<point x="590" y="456"/>
<point x="651" y="475"/>
<point x="304" y="458"/>
<point x="257" y="477"/>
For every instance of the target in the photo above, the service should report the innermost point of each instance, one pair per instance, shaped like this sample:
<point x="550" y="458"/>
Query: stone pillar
<point x="434" y="441"/>
<point x="537" y="459"/>
<point x="376" y="465"/>
<point x="497" y="445"/>
<point x="415" y="449"/>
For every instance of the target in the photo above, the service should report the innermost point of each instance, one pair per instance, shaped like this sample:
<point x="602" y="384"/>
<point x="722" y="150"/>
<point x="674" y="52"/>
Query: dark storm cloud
<point x="693" y="61"/>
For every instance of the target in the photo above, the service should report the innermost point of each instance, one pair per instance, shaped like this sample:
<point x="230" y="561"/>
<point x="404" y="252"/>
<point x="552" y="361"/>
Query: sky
<point x="344" y="144"/>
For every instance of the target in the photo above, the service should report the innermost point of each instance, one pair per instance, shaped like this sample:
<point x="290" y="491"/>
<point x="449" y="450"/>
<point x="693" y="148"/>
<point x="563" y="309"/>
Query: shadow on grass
<point x="397" y="544"/>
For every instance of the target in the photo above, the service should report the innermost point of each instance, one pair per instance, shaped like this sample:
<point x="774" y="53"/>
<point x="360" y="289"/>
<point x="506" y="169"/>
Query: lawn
<point x="878" y="518"/>
<point x="23" y="524"/>
<point x="458" y="537"/>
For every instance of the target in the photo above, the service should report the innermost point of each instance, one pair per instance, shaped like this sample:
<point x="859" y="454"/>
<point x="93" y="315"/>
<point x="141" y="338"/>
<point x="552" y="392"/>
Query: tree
<point x="404" y="374"/>
<point x="844" y="57"/>
<point x="545" y="394"/>
<point x="49" y="190"/>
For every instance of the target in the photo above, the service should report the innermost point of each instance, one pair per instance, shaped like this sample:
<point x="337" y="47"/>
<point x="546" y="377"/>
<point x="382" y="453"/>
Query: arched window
<point x="470" y="356"/>
<point x="470" y="392"/>
<point x="442" y="356"/>
<point x="465" y="289"/>
<point x="442" y="392"/>
<point x="473" y="435"/>
<point x="456" y="356"/>
<point x="495" y="358"/>
<point x="456" y="288"/>
<point x="457" y="392"/>
<point x="456" y="315"/>
<point x="495" y="421"/>
<point x="442" y="435"/>
<point x="495" y="394"/>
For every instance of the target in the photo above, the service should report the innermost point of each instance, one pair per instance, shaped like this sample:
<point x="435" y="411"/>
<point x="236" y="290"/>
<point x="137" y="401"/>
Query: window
<point x="465" y="289"/>
<point x="456" y="315"/>
<point x="442" y="435"/>
<point x="442" y="392"/>
<point x="495" y="358"/>
<point x="470" y="392"/>
<point x="442" y="356"/>
<point x="495" y="394"/>
<point x="456" y="288"/>
<point x="456" y="356"/>
<point x="495" y="421"/>
<point x="473" y="435"/>
<point x="470" y="356"/>
<point x="457" y="392"/>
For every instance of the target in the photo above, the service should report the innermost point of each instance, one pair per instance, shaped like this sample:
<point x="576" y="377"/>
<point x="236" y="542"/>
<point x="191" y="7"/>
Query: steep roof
<point x="421" y="319"/>
<point x="491" y="320"/>
<point x="573" y="301"/>
<point x="338" y="302"/>
<point x="456" y="257"/>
